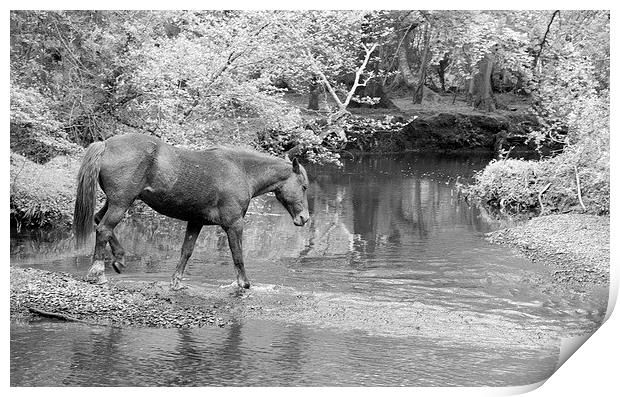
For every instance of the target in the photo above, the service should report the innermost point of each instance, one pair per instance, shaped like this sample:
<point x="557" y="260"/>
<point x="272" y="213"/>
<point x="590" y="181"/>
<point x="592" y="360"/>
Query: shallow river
<point x="384" y="231"/>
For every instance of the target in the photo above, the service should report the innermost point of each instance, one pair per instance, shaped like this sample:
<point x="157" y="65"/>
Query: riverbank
<point x="444" y="124"/>
<point x="62" y="296"/>
<point x="575" y="246"/>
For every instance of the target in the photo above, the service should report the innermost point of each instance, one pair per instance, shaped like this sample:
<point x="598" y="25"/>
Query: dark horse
<point x="208" y="187"/>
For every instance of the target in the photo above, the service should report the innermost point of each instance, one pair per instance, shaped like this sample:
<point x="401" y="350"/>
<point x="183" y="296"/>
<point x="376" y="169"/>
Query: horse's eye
<point x="304" y="188"/>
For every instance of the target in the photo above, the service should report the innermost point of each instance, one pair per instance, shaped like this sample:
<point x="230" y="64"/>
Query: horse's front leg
<point x="235" y="237"/>
<point x="191" y="234"/>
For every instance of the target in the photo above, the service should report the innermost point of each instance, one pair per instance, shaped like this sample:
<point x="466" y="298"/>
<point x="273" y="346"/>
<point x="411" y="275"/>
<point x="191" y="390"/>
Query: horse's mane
<point x="250" y="156"/>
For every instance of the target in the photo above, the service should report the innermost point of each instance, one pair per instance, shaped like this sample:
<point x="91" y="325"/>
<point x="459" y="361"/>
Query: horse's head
<point x="292" y="194"/>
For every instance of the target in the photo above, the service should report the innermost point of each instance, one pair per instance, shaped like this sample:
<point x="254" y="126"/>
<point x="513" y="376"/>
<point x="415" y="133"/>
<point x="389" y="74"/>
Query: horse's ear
<point x="296" y="166"/>
<point x="286" y="157"/>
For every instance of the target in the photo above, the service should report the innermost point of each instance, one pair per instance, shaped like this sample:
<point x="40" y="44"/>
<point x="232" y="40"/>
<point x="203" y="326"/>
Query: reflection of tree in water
<point x="290" y="356"/>
<point x="89" y="367"/>
<point x="189" y="362"/>
<point x="394" y="201"/>
<point x="200" y="360"/>
<point x="45" y="245"/>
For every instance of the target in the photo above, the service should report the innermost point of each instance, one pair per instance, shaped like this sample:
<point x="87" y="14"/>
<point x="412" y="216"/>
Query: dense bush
<point x="514" y="186"/>
<point x="42" y="195"/>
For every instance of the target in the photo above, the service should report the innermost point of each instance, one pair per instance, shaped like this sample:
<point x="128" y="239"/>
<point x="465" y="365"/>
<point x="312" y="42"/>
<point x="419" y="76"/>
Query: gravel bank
<point x="576" y="246"/>
<point x="138" y="304"/>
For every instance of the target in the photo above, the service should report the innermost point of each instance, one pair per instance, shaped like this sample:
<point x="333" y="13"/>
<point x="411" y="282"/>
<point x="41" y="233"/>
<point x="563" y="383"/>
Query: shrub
<point x="507" y="184"/>
<point x="514" y="185"/>
<point x="42" y="196"/>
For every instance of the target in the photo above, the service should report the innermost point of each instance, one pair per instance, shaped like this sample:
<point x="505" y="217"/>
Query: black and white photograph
<point x="307" y="198"/>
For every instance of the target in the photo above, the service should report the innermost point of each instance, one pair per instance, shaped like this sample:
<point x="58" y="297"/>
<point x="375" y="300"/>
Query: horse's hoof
<point x="176" y="284"/>
<point x="97" y="280"/>
<point x="118" y="266"/>
<point x="243" y="284"/>
<point x="96" y="273"/>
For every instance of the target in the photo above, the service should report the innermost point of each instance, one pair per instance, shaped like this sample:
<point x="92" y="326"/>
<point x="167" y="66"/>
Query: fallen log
<point x="57" y="316"/>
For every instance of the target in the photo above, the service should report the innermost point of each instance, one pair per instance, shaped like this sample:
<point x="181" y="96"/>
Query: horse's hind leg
<point x="104" y="234"/>
<point x="191" y="234"/>
<point x="99" y="215"/>
<point x="118" y="251"/>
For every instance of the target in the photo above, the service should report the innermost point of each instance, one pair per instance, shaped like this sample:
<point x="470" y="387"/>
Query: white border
<point x="592" y="370"/>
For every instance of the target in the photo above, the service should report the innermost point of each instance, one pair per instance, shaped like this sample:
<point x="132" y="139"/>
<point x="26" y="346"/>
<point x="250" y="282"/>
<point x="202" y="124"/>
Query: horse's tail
<point x="86" y="196"/>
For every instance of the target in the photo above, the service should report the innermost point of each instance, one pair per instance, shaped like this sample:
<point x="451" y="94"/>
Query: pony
<point x="206" y="187"/>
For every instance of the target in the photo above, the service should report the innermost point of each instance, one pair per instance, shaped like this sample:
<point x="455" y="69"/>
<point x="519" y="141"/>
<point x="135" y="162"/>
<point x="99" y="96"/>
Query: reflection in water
<point x="258" y="354"/>
<point x="382" y="229"/>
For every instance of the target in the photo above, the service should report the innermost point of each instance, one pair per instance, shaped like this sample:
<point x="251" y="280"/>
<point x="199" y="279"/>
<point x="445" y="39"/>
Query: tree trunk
<point x="441" y="71"/>
<point x="375" y="89"/>
<point x="403" y="58"/>
<point x="480" y="87"/>
<point x="419" y="92"/>
<point x="313" y="100"/>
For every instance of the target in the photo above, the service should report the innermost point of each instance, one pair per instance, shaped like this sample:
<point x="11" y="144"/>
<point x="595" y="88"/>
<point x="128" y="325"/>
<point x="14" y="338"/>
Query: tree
<point x="480" y="90"/>
<point x="409" y="24"/>
<point x="342" y="104"/>
<point x="424" y="58"/>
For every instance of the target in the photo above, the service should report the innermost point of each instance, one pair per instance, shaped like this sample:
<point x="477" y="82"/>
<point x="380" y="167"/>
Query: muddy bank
<point x="125" y="303"/>
<point x="458" y="131"/>
<point x="441" y="132"/>
<point x="575" y="246"/>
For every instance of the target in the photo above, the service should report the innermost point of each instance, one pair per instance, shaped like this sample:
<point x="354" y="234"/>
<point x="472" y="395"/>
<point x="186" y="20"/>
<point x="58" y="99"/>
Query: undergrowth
<point x="42" y="195"/>
<point x="517" y="186"/>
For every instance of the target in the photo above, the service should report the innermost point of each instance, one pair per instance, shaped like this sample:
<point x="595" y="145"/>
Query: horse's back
<point x="177" y="182"/>
<point x="137" y="151"/>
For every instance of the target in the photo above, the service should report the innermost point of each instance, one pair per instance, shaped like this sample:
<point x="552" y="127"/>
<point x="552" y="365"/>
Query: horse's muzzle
<point x="301" y="219"/>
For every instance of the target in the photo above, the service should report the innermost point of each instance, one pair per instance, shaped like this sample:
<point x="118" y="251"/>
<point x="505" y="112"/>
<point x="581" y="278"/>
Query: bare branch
<point x="342" y="106"/>
<point x="359" y="72"/>
<point x="542" y="43"/>
<point x="365" y="81"/>
<point x="542" y="207"/>
<point x="579" y="188"/>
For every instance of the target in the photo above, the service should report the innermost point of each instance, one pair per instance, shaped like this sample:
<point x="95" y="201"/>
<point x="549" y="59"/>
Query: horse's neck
<point x="267" y="175"/>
